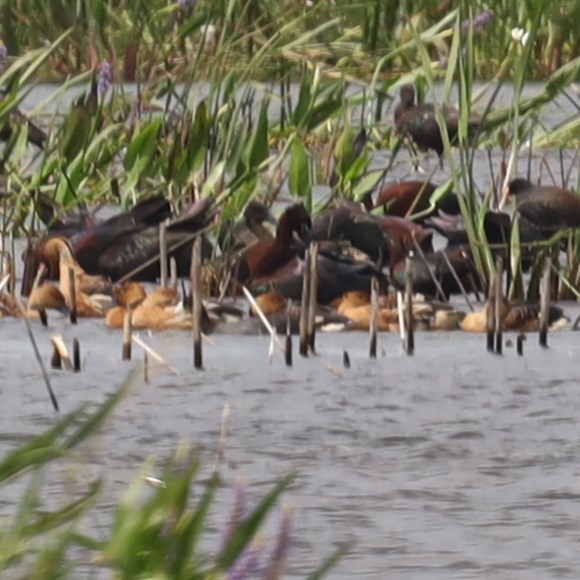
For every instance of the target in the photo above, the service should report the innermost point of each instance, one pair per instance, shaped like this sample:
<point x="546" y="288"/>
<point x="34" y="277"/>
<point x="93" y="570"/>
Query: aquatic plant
<point x="157" y="526"/>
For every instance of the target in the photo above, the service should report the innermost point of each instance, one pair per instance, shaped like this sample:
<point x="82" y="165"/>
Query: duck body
<point x="514" y="317"/>
<point x="419" y="122"/>
<point x="264" y="259"/>
<point x="547" y="208"/>
<point x="459" y="257"/>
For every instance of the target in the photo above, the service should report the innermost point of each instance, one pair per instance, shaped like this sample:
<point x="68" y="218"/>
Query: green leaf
<point x="142" y="147"/>
<point x="299" y="174"/>
<point x="257" y="149"/>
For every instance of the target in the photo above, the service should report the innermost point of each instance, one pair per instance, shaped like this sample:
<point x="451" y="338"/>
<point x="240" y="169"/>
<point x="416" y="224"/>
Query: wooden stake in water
<point x="163" y="253"/>
<point x="288" y="346"/>
<point x="145" y="367"/>
<point x="127" y="335"/>
<point x="195" y="273"/>
<point x="345" y="359"/>
<point x="374" y="318"/>
<point x="73" y="294"/>
<point x="409" y="336"/>
<point x="303" y="328"/>
<point x="545" y="304"/>
<point x="520" y="344"/>
<point x="172" y="272"/>
<point x="498" y="305"/>
<point x="490" y="336"/>
<point x="76" y="355"/>
<point x="312" y="296"/>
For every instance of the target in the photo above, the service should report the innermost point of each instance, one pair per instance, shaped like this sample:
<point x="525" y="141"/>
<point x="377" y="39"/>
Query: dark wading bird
<point x="127" y="244"/>
<point x="547" y="208"/>
<point x="419" y="122"/>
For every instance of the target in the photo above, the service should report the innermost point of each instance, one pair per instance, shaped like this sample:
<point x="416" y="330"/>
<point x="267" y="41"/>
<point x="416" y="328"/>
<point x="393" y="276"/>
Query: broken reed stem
<point x="154" y="355"/>
<point x="145" y="367"/>
<point x="312" y="296"/>
<point x="45" y="376"/>
<point x="263" y="318"/>
<point x="303" y="326"/>
<point x="490" y="314"/>
<point x="173" y="272"/>
<point x="163" y="254"/>
<point x="195" y="273"/>
<point x="436" y="282"/>
<point x="76" y="355"/>
<point x="288" y="345"/>
<point x="226" y="412"/>
<point x="127" y="333"/>
<point x="374" y="318"/>
<point x="409" y="334"/>
<point x="458" y="280"/>
<point x="401" y="317"/>
<point x="55" y="360"/>
<point x="498" y="305"/>
<point x="58" y="344"/>
<point x="545" y="303"/>
<point x="73" y="294"/>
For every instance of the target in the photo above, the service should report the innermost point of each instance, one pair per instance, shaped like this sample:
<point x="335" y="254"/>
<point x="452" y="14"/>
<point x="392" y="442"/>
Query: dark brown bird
<point x="547" y="208"/>
<point x="410" y="197"/>
<point x="419" y="122"/>
<point x="268" y="256"/>
<point x="248" y="231"/>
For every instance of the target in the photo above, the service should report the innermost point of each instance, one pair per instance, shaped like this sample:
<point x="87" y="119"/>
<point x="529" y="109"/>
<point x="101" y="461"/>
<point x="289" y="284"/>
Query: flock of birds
<point x="109" y="260"/>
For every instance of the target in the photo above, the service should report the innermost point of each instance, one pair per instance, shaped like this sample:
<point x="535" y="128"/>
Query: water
<point x="453" y="463"/>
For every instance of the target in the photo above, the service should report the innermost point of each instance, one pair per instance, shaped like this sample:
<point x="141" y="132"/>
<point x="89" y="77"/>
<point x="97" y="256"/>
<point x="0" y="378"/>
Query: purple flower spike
<point x="247" y="565"/>
<point x="105" y="77"/>
<point x="237" y="512"/>
<point x="479" y="22"/>
<point x="3" y="55"/>
<point x="280" y="552"/>
<point x="185" y="5"/>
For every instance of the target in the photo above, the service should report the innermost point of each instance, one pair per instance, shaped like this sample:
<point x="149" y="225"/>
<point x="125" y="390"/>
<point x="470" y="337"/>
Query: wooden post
<point x="76" y="355"/>
<point x="172" y="272"/>
<point x="73" y="294"/>
<point x="520" y="343"/>
<point x="545" y="304"/>
<point x="303" y="327"/>
<point x="127" y="335"/>
<point x="409" y="336"/>
<point x="374" y="317"/>
<point x="195" y="273"/>
<point x="498" y="305"/>
<point x="288" y="346"/>
<point x="43" y="317"/>
<point x="163" y="253"/>
<point x="145" y="367"/>
<point x="490" y="311"/>
<point x="312" y="296"/>
<point x="345" y="359"/>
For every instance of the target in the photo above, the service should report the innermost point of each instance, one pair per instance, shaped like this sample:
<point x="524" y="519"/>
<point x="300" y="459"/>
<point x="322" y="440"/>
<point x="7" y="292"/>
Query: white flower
<point x="520" y="35"/>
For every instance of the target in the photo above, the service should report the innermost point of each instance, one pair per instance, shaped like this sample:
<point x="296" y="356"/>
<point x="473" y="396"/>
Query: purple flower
<point x="185" y="5"/>
<point x="3" y="55"/>
<point x="479" y="22"/>
<point x="237" y="512"/>
<point x="105" y="77"/>
<point x="280" y="551"/>
<point x="247" y="565"/>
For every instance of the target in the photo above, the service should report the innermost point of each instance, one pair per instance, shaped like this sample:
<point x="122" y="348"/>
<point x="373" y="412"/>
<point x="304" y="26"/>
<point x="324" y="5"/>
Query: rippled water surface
<point x="451" y="463"/>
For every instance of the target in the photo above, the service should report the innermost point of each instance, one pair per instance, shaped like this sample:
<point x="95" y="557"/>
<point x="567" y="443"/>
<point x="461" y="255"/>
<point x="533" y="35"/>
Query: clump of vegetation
<point x="157" y="526"/>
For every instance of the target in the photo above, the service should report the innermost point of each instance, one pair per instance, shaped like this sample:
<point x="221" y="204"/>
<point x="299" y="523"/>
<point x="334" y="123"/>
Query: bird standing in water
<point x="419" y="122"/>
